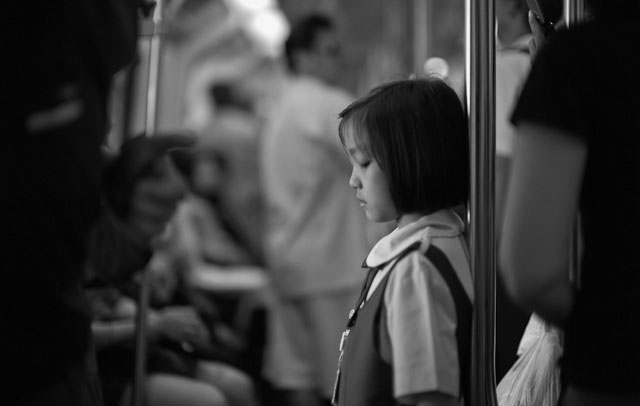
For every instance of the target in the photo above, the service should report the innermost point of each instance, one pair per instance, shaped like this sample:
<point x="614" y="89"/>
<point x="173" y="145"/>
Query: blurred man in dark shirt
<point x="58" y="60"/>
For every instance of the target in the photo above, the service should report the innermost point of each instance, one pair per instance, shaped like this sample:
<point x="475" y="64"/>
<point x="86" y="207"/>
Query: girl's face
<point x="370" y="183"/>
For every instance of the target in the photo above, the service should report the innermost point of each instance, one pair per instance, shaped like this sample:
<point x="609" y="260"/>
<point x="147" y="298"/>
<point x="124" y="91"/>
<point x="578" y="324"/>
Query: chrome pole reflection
<point x="480" y="94"/>
<point x="574" y="12"/>
<point x="151" y="27"/>
<point x="153" y="79"/>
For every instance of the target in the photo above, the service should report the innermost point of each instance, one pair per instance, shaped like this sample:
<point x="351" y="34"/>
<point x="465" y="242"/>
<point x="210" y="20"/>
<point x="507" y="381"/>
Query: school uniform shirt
<point x="419" y="309"/>
<point x="315" y="229"/>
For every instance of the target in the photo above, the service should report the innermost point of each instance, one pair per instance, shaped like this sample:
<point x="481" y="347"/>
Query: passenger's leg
<point x="236" y="386"/>
<point x="287" y="362"/>
<point x="172" y="390"/>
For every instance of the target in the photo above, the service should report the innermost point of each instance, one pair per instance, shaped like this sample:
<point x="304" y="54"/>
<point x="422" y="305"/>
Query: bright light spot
<point x="269" y="29"/>
<point x="436" y="66"/>
<point x="254" y="5"/>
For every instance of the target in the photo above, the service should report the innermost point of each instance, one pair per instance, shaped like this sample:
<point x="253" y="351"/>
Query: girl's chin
<point x="376" y="217"/>
<point x="370" y="216"/>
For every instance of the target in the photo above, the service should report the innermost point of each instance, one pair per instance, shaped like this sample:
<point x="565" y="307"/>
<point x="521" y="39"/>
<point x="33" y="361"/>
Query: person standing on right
<point x="315" y="230"/>
<point x="577" y="149"/>
<point x="512" y="67"/>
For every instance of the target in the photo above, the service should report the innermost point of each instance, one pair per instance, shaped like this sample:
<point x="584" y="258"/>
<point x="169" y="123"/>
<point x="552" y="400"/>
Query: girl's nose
<point x="354" y="180"/>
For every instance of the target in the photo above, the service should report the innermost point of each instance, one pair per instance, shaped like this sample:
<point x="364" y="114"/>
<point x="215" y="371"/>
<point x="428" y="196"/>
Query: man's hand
<point x="178" y="324"/>
<point x="538" y="36"/>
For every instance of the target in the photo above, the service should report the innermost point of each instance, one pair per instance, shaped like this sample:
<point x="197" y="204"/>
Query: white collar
<point x="443" y="223"/>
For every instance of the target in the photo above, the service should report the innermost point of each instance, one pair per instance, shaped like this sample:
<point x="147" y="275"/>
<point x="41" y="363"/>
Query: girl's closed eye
<point x="364" y="164"/>
<point x="359" y="159"/>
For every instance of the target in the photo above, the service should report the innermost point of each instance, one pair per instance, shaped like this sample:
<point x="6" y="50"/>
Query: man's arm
<point x="542" y="203"/>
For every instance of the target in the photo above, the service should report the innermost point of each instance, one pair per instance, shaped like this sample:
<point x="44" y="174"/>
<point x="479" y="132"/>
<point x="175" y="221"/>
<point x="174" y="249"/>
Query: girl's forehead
<point x="355" y="137"/>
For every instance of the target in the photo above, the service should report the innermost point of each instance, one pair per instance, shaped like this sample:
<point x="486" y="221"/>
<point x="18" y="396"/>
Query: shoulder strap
<point x="464" y="314"/>
<point x="371" y="273"/>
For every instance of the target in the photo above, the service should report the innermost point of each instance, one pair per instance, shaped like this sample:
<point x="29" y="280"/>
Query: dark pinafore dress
<point x="364" y="378"/>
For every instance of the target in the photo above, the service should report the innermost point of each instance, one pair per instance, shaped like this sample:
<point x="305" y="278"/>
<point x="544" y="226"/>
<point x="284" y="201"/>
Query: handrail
<point x="153" y="9"/>
<point x="574" y="12"/>
<point x="480" y="94"/>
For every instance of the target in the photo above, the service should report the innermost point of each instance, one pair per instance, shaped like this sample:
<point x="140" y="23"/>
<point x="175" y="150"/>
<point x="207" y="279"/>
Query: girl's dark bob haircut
<point x="416" y="130"/>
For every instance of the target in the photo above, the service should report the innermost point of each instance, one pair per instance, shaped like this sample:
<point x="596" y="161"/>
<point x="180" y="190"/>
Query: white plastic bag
<point x="534" y="379"/>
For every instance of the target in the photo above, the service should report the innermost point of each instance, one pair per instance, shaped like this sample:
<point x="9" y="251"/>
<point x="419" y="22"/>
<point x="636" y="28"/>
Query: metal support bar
<point x="480" y="94"/>
<point x="153" y="9"/>
<point x="574" y="12"/>
<point x="153" y="79"/>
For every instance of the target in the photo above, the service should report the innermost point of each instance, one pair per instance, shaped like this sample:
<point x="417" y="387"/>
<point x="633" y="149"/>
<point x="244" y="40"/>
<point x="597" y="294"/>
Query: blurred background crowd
<point x="223" y="72"/>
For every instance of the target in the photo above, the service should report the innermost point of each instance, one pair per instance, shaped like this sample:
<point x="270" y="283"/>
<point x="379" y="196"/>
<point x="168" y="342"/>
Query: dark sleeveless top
<point x="563" y="91"/>
<point x="364" y="377"/>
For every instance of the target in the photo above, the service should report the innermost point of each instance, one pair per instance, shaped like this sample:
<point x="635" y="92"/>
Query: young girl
<point x="408" y="338"/>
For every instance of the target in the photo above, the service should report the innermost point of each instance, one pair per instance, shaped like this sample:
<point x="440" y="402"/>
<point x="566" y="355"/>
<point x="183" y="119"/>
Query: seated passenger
<point x="219" y="270"/>
<point x="175" y="372"/>
<point x="202" y="225"/>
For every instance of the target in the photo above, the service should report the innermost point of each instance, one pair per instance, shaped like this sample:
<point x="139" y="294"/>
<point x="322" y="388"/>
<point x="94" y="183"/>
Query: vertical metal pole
<point x="480" y="94"/>
<point x="139" y="379"/>
<point x="150" y="124"/>
<point x="574" y="13"/>
<point x="153" y="80"/>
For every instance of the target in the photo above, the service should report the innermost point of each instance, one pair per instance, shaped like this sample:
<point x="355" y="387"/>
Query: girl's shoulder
<point x="422" y="268"/>
<point x="415" y="288"/>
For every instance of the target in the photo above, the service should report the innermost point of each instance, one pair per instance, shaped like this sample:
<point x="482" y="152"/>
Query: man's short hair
<point x="416" y="129"/>
<point x="303" y="36"/>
